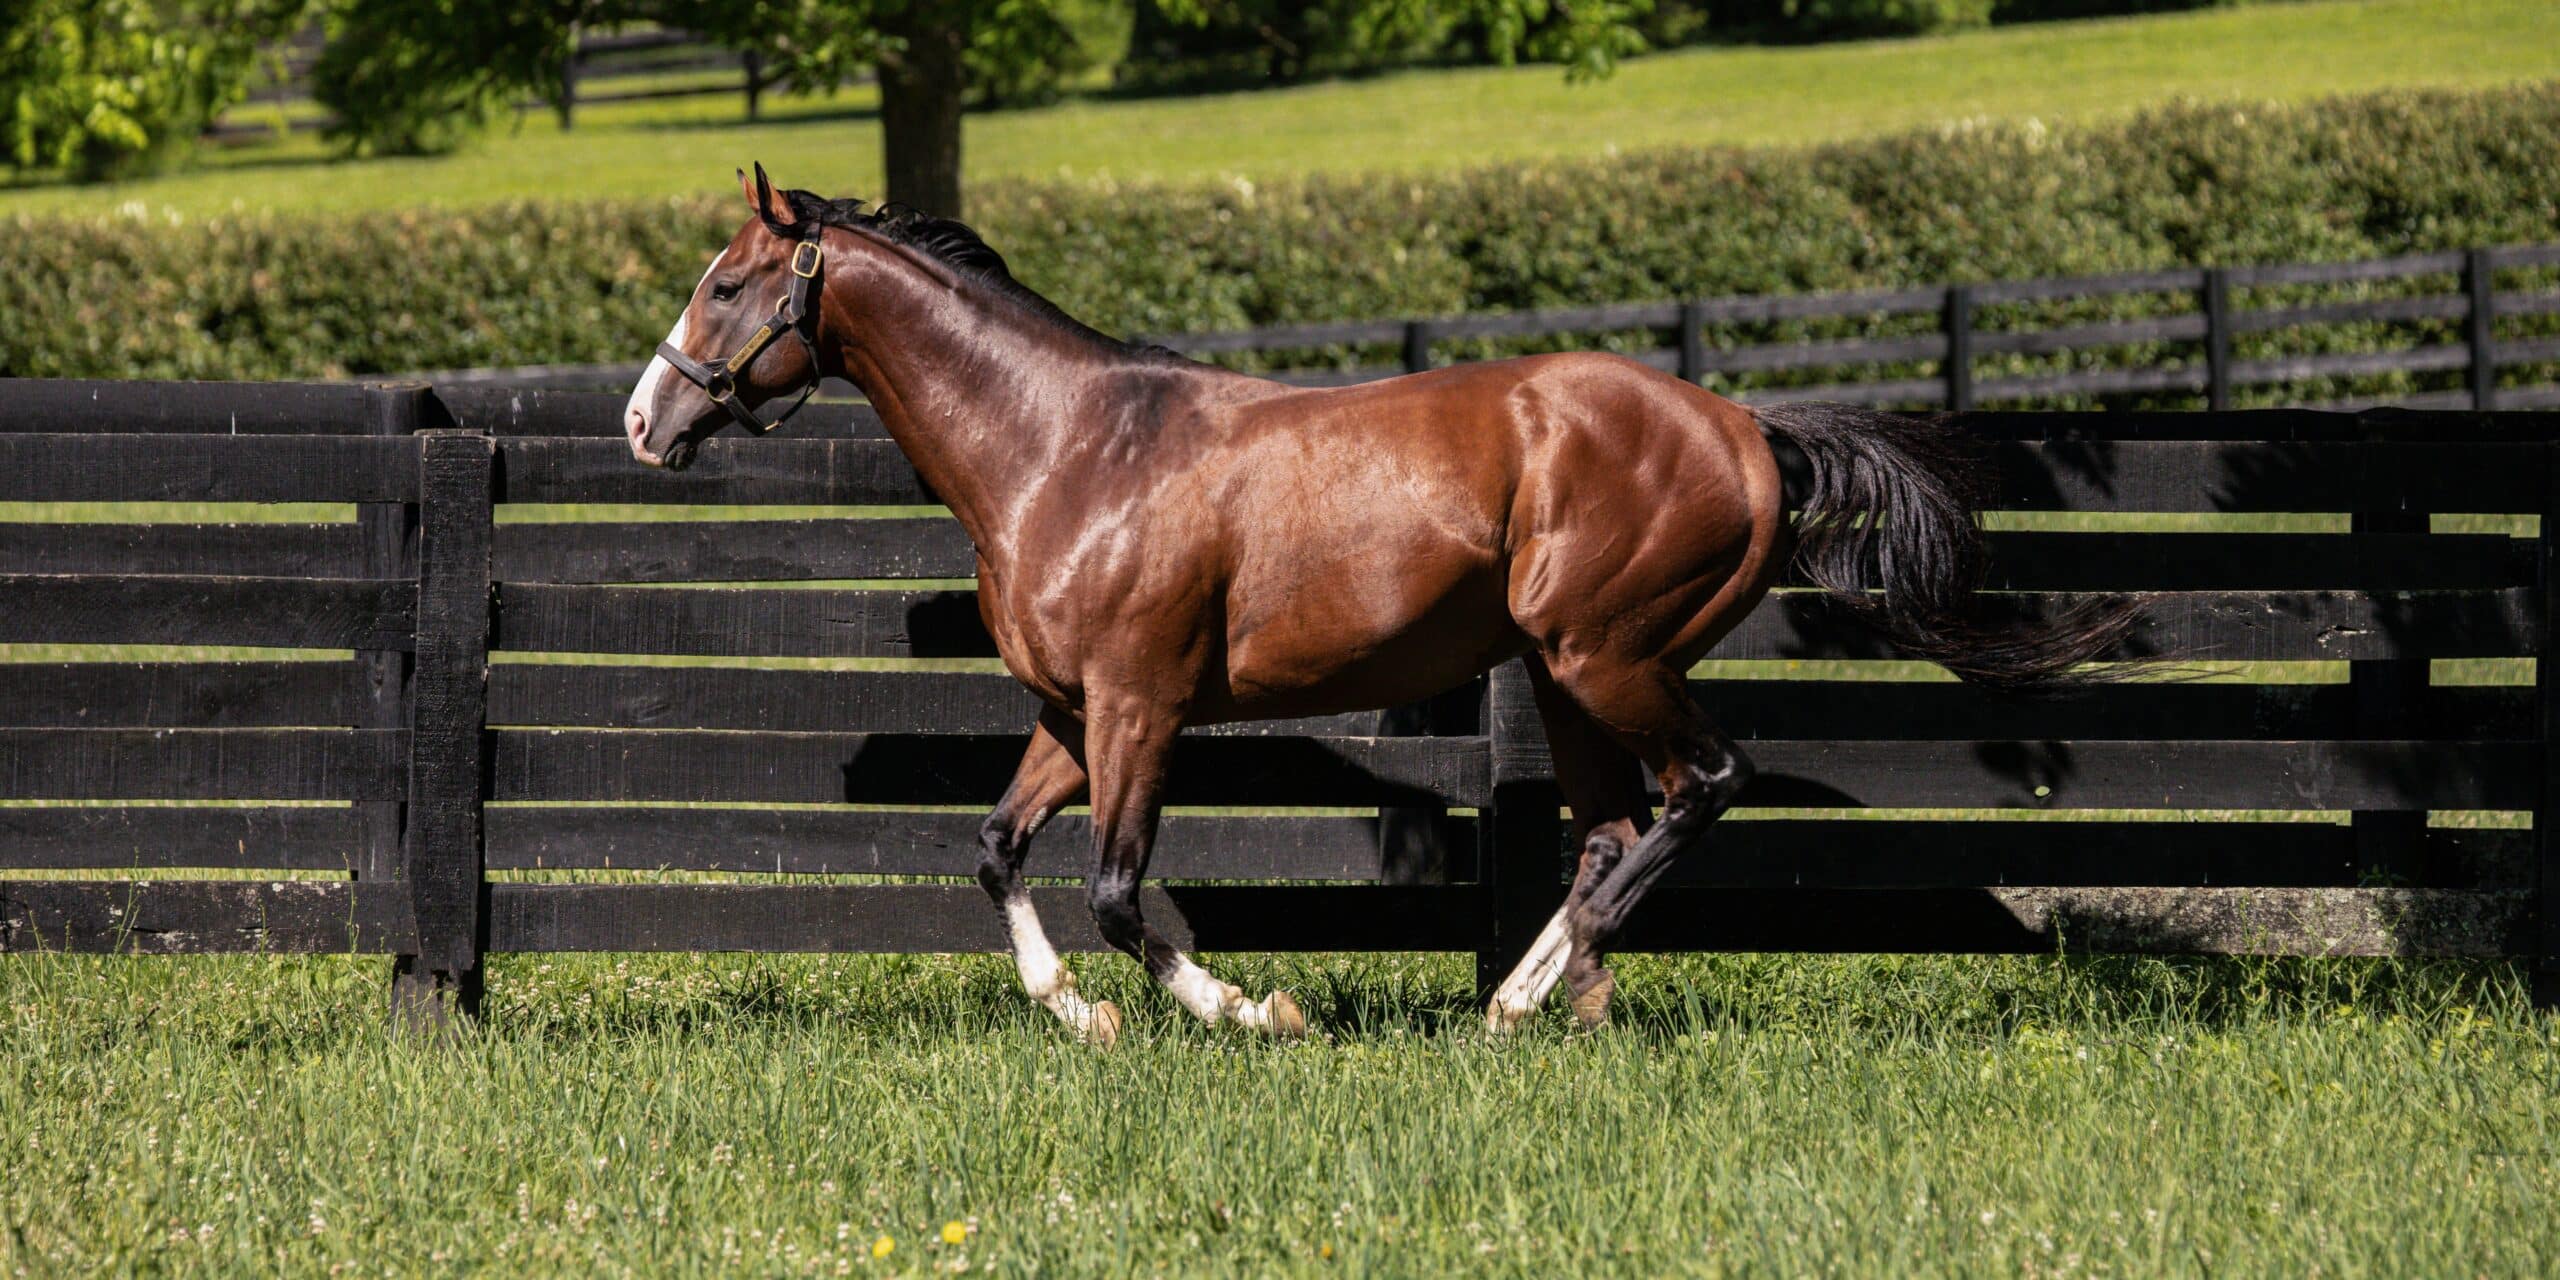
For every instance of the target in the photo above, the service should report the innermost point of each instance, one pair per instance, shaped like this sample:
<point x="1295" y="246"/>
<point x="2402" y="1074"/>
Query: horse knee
<point x="1116" y="917"/>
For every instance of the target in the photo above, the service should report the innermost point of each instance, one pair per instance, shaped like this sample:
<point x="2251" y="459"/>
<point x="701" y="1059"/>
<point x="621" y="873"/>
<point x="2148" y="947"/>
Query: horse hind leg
<point x="1600" y="782"/>
<point x="1049" y="778"/>
<point x="1646" y="708"/>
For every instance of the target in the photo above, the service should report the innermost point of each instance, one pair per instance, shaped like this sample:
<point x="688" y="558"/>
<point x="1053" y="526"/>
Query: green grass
<point x="2075" y="71"/>
<point x="1749" y="1116"/>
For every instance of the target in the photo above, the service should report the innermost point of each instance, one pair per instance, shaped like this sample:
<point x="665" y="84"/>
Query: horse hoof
<point x="1502" y="1019"/>
<point x="1280" y="1014"/>
<point x="1102" y="1024"/>
<point x="1591" y="1004"/>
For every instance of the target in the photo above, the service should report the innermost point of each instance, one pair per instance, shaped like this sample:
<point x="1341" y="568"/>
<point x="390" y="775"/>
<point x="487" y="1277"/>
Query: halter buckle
<point x="808" y="251"/>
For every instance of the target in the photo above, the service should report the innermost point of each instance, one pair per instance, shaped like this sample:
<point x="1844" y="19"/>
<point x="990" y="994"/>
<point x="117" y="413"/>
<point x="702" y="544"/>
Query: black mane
<point x="948" y="241"/>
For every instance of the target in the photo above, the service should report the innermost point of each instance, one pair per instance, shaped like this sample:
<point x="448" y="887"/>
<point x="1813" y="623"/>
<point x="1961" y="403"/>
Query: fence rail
<point x="601" y="57"/>
<point x="475" y="686"/>
<point x="2195" y="354"/>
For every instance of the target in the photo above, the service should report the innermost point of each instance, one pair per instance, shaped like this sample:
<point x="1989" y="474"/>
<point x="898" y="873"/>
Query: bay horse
<point x="1163" y="543"/>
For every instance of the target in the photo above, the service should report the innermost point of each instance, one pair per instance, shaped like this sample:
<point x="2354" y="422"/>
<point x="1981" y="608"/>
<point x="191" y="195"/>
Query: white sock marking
<point x="1047" y="980"/>
<point x="1527" y="987"/>
<point x="1199" y="991"/>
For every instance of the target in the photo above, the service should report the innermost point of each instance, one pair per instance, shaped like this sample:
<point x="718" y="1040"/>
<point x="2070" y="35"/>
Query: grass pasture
<point x="1748" y="1116"/>
<point x="1423" y="120"/>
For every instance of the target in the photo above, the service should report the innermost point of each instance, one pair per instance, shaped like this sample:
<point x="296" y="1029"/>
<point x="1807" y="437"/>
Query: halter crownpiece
<point x="792" y="315"/>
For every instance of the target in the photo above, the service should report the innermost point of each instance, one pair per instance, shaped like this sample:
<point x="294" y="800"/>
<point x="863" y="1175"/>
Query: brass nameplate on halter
<point x="748" y="352"/>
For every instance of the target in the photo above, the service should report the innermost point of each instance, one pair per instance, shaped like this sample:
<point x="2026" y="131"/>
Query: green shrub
<point x="131" y="295"/>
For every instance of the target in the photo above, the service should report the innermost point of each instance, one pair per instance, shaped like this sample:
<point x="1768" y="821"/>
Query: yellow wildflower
<point x="953" y="1232"/>
<point x="881" y="1247"/>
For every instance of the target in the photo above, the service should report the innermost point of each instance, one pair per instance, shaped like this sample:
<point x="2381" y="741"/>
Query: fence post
<point x="443" y="846"/>
<point x="2545" y="964"/>
<point x="1413" y="840"/>
<point x="567" y="106"/>
<point x="389" y="531"/>
<point x="1520" y="871"/>
<point x="1959" y="321"/>
<point x="2480" y="279"/>
<point x="2217" y="339"/>
<point x="1693" y="342"/>
<point x="1417" y="345"/>
<point x="754" y="63"/>
<point x="2387" y="694"/>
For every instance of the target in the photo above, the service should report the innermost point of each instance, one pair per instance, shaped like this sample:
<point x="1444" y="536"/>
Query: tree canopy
<point x="411" y="75"/>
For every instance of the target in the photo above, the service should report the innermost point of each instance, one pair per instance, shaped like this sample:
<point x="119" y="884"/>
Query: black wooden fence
<point x="597" y="58"/>
<point x="454" y="806"/>
<point x="2206" y="337"/>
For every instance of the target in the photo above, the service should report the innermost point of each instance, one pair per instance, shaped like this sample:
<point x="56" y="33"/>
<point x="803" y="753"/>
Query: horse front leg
<point x="1050" y="777"/>
<point x="1129" y="745"/>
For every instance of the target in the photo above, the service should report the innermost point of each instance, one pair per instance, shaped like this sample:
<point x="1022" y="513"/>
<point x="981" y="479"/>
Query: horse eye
<point x="725" y="290"/>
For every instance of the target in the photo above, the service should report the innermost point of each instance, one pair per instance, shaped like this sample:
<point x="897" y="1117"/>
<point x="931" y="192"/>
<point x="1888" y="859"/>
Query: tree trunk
<point x="920" y="97"/>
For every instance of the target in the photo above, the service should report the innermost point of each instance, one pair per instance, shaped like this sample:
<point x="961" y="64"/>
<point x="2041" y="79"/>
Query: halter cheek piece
<point x="793" y="315"/>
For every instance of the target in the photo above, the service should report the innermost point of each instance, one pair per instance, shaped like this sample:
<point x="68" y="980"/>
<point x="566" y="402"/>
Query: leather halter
<point x="793" y="315"/>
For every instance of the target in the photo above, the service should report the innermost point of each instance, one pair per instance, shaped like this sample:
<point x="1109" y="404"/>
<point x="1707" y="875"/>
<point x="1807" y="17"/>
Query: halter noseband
<point x="792" y="315"/>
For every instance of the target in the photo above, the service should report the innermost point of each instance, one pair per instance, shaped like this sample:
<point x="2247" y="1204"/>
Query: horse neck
<point x="975" y="385"/>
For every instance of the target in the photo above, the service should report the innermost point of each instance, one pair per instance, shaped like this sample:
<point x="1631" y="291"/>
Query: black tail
<point x="1918" y="483"/>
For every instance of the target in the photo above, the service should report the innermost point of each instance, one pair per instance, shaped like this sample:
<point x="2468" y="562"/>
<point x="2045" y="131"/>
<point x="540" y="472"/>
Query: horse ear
<point x="768" y="203"/>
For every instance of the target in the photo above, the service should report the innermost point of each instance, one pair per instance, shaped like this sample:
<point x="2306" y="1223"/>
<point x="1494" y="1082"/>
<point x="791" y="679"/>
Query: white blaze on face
<point x="635" y="411"/>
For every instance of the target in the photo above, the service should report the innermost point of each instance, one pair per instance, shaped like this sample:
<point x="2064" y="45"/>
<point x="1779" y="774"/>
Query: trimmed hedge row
<point x="275" y="297"/>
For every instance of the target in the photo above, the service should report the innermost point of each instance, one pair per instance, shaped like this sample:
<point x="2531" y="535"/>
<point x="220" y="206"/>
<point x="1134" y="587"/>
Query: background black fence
<point x="486" y="681"/>
<point x="643" y="64"/>
<point x="2461" y="329"/>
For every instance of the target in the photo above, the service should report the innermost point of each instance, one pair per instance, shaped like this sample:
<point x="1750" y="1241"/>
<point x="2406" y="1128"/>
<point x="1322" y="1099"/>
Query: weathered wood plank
<point x="648" y="697"/>
<point x="652" y="697"/>
<point x="204" y="695"/>
<point x="742" y="551"/>
<point x="825" y="768"/>
<point x="2228" y="626"/>
<point x="800" y="472"/>
<point x="192" y="917"/>
<point x="522" y="411"/>
<point x="2256" y="561"/>
<point x="2144" y="775"/>
<point x="1868" y="853"/>
<point x="731" y="551"/>
<point x="298" y="838"/>
<point x="313" y="613"/>
<point x="2257" y="921"/>
<point x="193" y="468"/>
<point x="87" y="405"/>
<point x="876" y="842"/>
<point x="958" y="918"/>
<point x="2080" y="475"/>
<point x="278" y="550"/>
<point x="2224" y="475"/>
<point x="2413" y="264"/>
<point x="202" y="764"/>
<point x="740" y="621"/>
